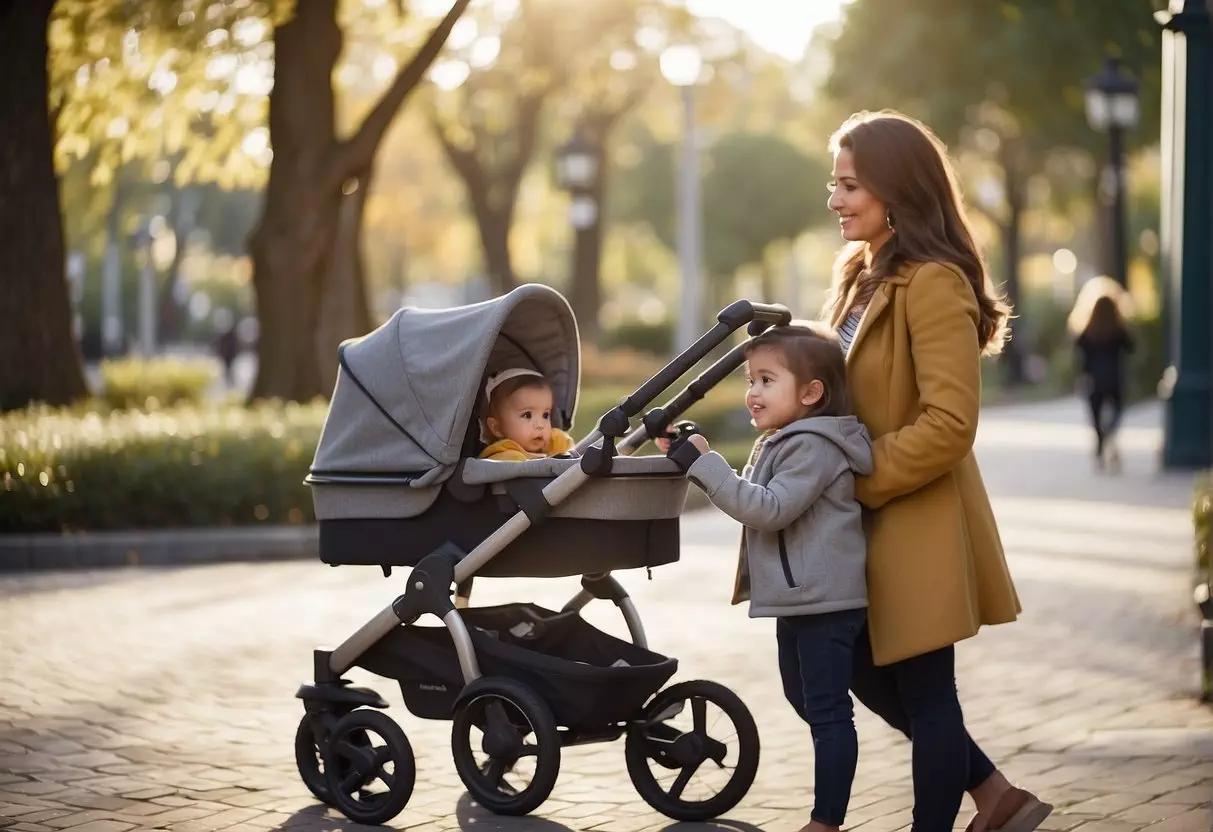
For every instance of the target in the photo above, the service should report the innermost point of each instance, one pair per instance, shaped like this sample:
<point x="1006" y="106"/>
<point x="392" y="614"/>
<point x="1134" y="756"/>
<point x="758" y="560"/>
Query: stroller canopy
<point x="407" y="392"/>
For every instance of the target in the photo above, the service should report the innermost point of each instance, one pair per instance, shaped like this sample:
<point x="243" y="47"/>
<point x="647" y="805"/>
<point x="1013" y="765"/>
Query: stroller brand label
<point x="425" y="686"/>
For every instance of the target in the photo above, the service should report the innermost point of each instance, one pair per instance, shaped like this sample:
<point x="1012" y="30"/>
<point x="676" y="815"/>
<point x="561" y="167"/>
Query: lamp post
<point x="578" y="171"/>
<point x="142" y="241"/>
<point x="1112" y="107"/>
<point x="681" y="65"/>
<point x="1186" y="234"/>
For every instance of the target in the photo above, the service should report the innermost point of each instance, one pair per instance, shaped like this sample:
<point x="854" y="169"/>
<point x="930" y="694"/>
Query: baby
<point x="518" y="425"/>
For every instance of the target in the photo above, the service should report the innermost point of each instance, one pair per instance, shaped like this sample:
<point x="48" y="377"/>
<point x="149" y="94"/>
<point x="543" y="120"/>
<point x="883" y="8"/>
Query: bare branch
<point x="359" y="150"/>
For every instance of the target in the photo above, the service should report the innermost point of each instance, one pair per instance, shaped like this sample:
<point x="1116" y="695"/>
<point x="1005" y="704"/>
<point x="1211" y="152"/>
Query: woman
<point x="915" y="311"/>
<point x="1101" y="341"/>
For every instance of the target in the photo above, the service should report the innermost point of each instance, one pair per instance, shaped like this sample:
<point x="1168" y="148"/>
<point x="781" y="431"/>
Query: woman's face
<point x="861" y="216"/>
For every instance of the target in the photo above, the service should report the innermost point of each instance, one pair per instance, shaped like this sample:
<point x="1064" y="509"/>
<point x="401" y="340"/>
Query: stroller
<point x="396" y="482"/>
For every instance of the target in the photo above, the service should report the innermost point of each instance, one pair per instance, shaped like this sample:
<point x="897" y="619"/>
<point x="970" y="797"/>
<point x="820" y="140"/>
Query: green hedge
<point x="181" y="466"/>
<point x="157" y="382"/>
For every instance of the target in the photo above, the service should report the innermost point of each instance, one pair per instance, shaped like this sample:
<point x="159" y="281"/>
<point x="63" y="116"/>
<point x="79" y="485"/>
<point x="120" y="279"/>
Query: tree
<point x="156" y="98"/>
<point x="611" y="75"/>
<point x="312" y="175"/>
<point x="762" y="190"/>
<point x="486" y="114"/>
<point x="759" y="190"/>
<point x="1006" y="77"/>
<point x="39" y="360"/>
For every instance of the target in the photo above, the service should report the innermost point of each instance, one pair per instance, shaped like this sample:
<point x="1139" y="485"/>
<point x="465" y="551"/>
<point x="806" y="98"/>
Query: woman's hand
<point x="700" y="442"/>
<point x="663" y="444"/>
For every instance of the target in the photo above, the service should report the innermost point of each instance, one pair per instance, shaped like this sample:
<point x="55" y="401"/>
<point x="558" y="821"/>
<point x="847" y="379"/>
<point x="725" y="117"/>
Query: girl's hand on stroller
<point x="676" y="431"/>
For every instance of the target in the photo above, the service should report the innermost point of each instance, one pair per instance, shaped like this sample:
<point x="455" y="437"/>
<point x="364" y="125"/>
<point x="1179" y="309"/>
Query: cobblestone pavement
<point x="162" y="699"/>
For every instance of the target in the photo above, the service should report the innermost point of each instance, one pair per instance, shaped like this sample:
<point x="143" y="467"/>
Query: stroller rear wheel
<point x="517" y="742"/>
<point x="721" y="748"/>
<point x="365" y="748"/>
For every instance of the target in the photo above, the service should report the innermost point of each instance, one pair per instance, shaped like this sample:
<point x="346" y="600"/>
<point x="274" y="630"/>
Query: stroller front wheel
<point x="309" y="753"/>
<point x="367" y="748"/>
<point x="518" y="741"/>
<point x="722" y="751"/>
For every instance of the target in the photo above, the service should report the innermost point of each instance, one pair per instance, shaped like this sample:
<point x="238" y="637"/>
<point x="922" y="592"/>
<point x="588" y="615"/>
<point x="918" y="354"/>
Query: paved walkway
<point x="162" y="699"/>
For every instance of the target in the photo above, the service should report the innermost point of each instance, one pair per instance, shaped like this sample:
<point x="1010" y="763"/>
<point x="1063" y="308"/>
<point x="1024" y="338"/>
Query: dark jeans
<point x="815" y="661"/>
<point x="917" y="696"/>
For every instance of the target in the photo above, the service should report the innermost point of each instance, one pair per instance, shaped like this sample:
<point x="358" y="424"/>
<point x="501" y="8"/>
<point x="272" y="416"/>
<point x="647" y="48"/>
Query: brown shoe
<point x="1017" y="811"/>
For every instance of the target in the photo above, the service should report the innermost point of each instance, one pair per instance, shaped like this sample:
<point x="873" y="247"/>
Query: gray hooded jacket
<point x="803" y="551"/>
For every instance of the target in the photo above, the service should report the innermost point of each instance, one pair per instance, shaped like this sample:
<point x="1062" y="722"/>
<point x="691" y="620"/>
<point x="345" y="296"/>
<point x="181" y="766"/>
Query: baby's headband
<point x="495" y="381"/>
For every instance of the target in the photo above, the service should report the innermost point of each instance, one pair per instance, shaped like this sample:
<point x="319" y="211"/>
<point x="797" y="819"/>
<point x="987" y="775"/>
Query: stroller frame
<point x="431" y="581"/>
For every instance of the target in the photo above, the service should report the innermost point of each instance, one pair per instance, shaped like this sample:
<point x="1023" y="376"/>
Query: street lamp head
<point x="1111" y="99"/>
<point x="681" y="64"/>
<point x="576" y="164"/>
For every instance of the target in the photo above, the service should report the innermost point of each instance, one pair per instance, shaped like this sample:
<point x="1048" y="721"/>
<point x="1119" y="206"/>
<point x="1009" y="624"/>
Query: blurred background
<point x="207" y="196"/>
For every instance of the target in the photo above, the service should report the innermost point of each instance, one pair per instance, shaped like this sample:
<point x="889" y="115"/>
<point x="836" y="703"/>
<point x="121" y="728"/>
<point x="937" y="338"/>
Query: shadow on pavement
<point x="722" y="824"/>
<point x="472" y="816"/>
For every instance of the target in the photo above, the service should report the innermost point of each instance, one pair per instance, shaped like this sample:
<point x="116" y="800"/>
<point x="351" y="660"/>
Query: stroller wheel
<point x="706" y="756"/>
<point x="310" y="759"/>
<point x="368" y="767"/>
<point x="510" y="766"/>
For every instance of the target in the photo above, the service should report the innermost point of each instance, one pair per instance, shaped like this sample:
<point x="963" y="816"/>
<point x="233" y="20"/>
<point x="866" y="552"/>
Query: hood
<point x="846" y="432"/>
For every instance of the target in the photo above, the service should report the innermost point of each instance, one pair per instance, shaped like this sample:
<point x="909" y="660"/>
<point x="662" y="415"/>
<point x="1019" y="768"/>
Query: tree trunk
<point x="494" y="225"/>
<point x="170" y="314"/>
<point x="346" y="310"/>
<point x="585" y="295"/>
<point x="492" y="189"/>
<point x="39" y="357"/>
<point x="113" y="317"/>
<point x="292" y="244"/>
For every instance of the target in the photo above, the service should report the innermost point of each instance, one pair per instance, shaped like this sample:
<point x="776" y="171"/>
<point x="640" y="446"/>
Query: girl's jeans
<point x="815" y="662"/>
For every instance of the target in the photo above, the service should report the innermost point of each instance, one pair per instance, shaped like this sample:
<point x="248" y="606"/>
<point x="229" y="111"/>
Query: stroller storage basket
<point x="576" y="668"/>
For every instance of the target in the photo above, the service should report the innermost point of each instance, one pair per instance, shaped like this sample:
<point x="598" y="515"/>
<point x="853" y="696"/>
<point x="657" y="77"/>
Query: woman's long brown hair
<point x="904" y="165"/>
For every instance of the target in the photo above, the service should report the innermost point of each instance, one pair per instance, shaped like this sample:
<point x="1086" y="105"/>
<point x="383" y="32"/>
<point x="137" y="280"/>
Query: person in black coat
<point x="1101" y="343"/>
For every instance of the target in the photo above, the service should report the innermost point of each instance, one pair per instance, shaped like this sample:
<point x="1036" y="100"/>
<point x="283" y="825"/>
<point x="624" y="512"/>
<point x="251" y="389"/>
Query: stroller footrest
<point x="339" y="693"/>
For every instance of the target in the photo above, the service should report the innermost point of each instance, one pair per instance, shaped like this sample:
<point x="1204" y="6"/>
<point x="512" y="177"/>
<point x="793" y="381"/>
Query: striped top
<point x="848" y="328"/>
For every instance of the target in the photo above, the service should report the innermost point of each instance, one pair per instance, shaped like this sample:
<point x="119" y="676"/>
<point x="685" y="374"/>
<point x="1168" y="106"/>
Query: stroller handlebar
<point x="742" y="312"/>
<point x="615" y="423"/>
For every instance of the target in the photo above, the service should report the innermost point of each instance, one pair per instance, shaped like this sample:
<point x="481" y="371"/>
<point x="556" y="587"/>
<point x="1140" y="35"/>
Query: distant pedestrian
<point x="1101" y="342"/>
<point x="227" y="347"/>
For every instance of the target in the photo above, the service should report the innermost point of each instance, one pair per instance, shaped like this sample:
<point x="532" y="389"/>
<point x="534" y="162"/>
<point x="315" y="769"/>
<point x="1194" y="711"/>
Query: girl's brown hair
<point x="811" y="351"/>
<point x="1100" y="311"/>
<point x="904" y="165"/>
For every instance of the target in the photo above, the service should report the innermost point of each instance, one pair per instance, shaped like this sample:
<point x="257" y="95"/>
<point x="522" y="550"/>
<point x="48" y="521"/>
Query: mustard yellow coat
<point x="936" y="567"/>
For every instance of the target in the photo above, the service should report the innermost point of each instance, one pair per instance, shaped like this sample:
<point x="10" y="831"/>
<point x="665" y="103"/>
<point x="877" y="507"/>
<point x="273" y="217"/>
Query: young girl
<point x="519" y="421"/>
<point x="802" y="554"/>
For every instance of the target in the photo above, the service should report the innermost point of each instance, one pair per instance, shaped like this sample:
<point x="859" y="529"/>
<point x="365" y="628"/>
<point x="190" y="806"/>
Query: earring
<point x="888" y="220"/>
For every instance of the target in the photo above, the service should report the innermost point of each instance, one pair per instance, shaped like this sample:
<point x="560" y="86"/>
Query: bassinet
<point x="395" y="474"/>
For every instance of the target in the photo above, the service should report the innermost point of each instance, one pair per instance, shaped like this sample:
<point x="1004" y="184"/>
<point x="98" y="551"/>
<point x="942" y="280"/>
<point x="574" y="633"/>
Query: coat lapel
<point x="875" y="307"/>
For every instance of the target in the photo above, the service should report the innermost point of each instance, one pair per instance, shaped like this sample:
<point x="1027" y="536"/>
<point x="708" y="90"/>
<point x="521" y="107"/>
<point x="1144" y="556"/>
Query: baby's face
<point x="525" y="417"/>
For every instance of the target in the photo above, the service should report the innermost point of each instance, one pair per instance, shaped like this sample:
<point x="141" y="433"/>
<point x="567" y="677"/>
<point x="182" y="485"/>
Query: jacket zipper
<point x="783" y="560"/>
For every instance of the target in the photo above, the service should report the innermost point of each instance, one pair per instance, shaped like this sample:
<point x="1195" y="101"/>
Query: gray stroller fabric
<point x="425" y="368"/>
<point x="484" y="471"/>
